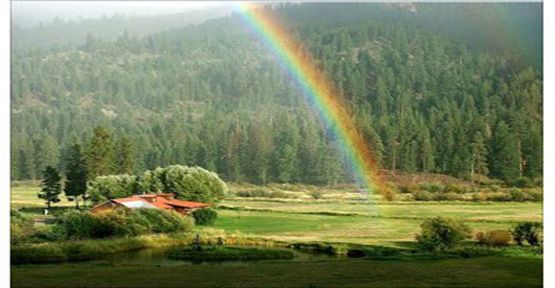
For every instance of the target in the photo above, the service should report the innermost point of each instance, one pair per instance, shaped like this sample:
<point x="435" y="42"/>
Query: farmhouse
<point x="154" y="201"/>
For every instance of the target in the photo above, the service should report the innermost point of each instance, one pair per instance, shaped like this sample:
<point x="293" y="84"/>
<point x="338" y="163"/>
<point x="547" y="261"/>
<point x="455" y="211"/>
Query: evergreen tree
<point x="504" y="157"/>
<point x="76" y="175"/>
<point x="479" y="156"/>
<point x="125" y="156"/>
<point x="51" y="186"/>
<point x="100" y="153"/>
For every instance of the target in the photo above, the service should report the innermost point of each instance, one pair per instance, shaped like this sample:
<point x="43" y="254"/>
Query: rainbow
<point x="318" y="91"/>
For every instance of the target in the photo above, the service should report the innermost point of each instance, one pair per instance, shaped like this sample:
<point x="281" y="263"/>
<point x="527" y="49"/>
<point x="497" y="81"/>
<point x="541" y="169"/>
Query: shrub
<point x="316" y="194"/>
<point x="454" y="188"/>
<point x="21" y="227"/>
<point x="407" y="189"/>
<point x="478" y="197"/>
<point x="494" y="188"/>
<point x="527" y="231"/>
<point x="254" y="193"/>
<point x="523" y="182"/>
<point x="496" y="238"/>
<point x="84" y="225"/>
<point x="449" y="196"/>
<point x="423" y="196"/>
<point x="499" y="197"/>
<point x="205" y="216"/>
<point x="440" y="233"/>
<point x="535" y="195"/>
<point x="433" y="187"/>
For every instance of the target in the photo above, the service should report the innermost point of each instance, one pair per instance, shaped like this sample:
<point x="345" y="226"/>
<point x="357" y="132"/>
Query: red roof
<point x="162" y="201"/>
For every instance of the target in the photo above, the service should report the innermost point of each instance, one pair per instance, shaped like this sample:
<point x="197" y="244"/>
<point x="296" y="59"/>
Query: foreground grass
<point x="476" y="272"/>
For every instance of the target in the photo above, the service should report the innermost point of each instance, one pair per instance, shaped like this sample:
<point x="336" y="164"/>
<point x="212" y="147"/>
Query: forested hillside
<point x="212" y="95"/>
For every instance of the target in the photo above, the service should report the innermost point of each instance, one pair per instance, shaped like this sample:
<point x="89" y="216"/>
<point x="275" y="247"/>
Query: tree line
<point x="215" y="98"/>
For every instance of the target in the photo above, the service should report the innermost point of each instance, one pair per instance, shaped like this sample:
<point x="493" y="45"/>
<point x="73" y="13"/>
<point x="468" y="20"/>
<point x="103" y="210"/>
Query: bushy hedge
<point x="117" y="223"/>
<point x="205" y="216"/>
<point x="441" y="233"/>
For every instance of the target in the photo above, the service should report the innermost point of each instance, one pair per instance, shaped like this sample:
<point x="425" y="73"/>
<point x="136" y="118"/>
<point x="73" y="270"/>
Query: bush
<point x="494" y="188"/>
<point x="316" y="194"/>
<point x="441" y="233"/>
<point x="433" y="187"/>
<point x="21" y="227"/>
<point x="518" y="195"/>
<point x="254" y="193"/>
<point x="454" y="188"/>
<point x="85" y="225"/>
<point x="423" y="196"/>
<point x="499" y="197"/>
<point x="523" y="182"/>
<point x="205" y="216"/>
<point x="449" y="196"/>
<point x="535" y="195"/>
<point x="527" y="231"/>
<point x="496" y="238"/>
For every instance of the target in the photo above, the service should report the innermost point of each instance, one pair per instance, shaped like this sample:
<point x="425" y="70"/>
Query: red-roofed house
<point x="154" y="201"/>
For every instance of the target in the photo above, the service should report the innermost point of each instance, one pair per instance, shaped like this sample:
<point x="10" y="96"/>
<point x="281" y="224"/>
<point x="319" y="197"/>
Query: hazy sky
<point x="34" y="12"/>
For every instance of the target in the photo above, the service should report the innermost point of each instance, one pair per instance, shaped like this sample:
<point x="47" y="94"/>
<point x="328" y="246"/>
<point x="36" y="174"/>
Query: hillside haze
<point x="447" y="94"/>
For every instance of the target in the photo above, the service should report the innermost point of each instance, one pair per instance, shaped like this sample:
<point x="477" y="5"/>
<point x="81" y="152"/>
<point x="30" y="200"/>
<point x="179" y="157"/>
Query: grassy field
<point x="477" y="272"/>
<point x="331" y="219"/>
<point x="336" y="219"/>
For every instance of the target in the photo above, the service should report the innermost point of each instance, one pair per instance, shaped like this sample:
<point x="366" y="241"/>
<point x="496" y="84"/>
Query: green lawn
<point x="477" y="272"/>
<point x="384" y="223"/>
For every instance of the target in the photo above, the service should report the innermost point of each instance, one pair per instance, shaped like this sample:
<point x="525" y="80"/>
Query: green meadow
<point x="333" y="220"/>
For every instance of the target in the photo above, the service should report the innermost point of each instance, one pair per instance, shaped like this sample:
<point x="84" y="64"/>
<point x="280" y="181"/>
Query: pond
<point x="157" y="257"/>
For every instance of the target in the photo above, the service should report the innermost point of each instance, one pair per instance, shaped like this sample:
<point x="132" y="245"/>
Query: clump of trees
<point x="188" y="183"/>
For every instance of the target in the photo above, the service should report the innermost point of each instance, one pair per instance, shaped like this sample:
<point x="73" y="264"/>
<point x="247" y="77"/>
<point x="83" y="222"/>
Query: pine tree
<point x="479" y="156"/>
<point x="125" y="156"/>
<point x="51" y="186"/>
<point x="504" y="158"/>
<point x="100" y="153"/>
<point x="76" y="175"/>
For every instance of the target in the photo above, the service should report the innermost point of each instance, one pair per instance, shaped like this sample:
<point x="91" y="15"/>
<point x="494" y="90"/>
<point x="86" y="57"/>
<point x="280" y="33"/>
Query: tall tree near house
<point x="125" y="156"/>
<point x="100" y="153"/>
<point x="76" y="175"/>
<point x="51" y="186"/>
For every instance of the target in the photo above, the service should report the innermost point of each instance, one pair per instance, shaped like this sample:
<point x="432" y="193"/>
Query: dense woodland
<point x="212" y="95"/>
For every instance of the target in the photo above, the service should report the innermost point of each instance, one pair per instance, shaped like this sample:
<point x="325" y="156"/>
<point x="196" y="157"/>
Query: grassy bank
<point x="477" y="272"/>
